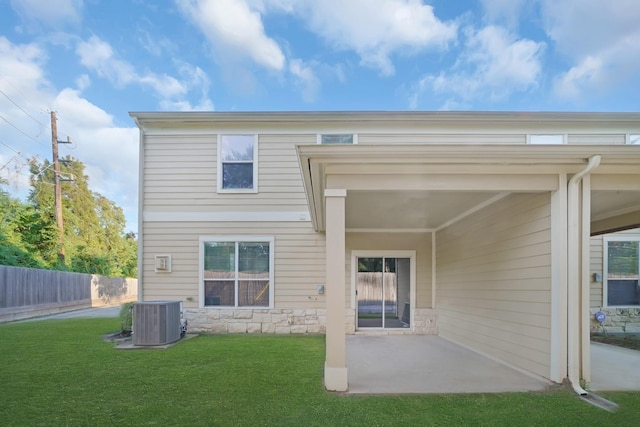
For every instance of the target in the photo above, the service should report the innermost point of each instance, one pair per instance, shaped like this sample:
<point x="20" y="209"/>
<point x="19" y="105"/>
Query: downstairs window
<point x="622" y="266"/>
<point x="237" y="272"/>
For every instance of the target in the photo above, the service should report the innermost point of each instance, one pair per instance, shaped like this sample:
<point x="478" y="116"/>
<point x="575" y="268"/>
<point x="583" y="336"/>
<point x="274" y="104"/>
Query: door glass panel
<point x="390" y="293"/>
<point x="370" y="292"/>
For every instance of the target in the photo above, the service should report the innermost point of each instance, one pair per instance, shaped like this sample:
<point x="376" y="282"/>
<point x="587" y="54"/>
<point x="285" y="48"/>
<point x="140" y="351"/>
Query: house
<point x="472" y="225"/>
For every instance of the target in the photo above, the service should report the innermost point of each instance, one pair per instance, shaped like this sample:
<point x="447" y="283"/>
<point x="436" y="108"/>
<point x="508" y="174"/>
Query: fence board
<point x="27" y="290"/>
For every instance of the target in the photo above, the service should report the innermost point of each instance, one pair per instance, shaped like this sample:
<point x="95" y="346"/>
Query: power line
<point x="22" y="109"/>
<point x="19" y="130"/>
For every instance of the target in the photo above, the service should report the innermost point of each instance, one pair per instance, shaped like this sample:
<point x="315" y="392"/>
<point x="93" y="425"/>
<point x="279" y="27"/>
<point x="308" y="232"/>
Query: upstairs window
<point x="547" y="139"/>
<point x="622" y="268"/>
<point x="337" y="139"/>
<point x="237" y="164"/>
<point x="634" y="139"/>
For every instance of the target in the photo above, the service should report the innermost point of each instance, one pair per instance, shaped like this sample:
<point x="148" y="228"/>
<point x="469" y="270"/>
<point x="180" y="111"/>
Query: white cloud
<point x="109" y="152"/>
<point x="21" y="61"/>
<point x="493" y="65"/>
<point x="51" y="13"/>
<point x="235" y="30"/>
<point x="98" y="56"/>
<point x="376" y="30"/>
<point x="505" y="12"/>
<point x="603" y="40"/>
<point x="83" y="82"/>
<point x="306" y="79"/>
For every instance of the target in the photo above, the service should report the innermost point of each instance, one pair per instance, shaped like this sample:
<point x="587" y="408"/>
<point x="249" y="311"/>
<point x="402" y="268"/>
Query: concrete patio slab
<point x="392" y="364"/>
<point x="614" y="368"/>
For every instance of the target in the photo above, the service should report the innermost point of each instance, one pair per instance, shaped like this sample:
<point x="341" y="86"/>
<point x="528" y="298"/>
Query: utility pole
<point x="57" y="190"/>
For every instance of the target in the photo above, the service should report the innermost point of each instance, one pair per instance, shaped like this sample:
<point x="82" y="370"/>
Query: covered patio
<point x="523" y="209"/>
<point x="398" y="364"/>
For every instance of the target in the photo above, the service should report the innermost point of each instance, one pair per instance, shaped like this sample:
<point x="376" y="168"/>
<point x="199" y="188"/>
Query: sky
<point x="94" y="61"/>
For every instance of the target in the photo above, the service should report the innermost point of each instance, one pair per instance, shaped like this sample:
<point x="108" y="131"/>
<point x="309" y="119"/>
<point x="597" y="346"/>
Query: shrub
<point x="126" y="317"/>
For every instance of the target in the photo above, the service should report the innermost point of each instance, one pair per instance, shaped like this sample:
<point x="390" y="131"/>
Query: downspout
<point x="573" y="276"/>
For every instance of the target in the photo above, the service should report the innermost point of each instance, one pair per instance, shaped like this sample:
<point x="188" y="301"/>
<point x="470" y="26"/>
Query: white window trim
<point x="319" y="137"/>
<point x="605" y="268"/>
<point x="629" y="136"/>
<point x="204" y="239"/>
<point x="564" y="137"/>
<point x="255" y="166"/>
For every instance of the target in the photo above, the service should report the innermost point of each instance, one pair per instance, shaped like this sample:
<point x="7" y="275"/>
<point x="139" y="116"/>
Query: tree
<point x="20" y="233"/>
<point x="94" y="237"/>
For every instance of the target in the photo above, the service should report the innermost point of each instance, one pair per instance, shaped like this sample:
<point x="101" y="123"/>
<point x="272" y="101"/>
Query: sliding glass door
<point x="383" y="292"/>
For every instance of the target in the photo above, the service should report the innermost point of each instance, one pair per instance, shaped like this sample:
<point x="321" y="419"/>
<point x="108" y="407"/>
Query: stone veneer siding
<point x="287" y="321"/>
<point x="619" y="320"/>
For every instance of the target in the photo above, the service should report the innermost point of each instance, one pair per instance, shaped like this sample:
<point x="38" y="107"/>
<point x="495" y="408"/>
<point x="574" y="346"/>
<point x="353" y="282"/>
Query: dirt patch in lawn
<point x="631" y="341"/>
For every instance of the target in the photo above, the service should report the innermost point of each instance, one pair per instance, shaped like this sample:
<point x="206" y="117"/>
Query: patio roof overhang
<point x="426" y="186"/>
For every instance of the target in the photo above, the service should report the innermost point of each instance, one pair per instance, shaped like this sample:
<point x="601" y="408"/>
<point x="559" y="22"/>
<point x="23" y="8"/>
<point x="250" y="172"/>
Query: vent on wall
<point x="156" y="322"/>
<point x="163" y="263"/>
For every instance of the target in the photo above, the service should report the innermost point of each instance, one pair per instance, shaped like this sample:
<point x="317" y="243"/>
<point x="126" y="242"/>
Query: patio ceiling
<point x="425" y="187"/>
<point x="409" y="210"/>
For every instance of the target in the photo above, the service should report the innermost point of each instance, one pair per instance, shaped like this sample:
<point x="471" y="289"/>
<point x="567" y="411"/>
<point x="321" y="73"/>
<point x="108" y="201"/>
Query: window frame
<point x="633" y="139"/>
<point x="605" y="268"/>
<point x="236" y="240"/>
<point x="220" y="162"/>
<point x="532" y="136"/>
<point x="353" y="135"/>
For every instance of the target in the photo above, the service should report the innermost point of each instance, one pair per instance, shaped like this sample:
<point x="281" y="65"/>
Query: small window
<point x="634" y="139"/>
<point x="622" y="264"/>
<point x="237" y="163"/>
<point x="546" y="139"/>
<point x="337" y="139"/>
<point x="238" y="272"/>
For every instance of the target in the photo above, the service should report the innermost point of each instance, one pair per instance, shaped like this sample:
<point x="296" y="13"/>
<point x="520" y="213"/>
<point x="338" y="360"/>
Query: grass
<point x="60" y="372"/>
<point x="626" y="340"/>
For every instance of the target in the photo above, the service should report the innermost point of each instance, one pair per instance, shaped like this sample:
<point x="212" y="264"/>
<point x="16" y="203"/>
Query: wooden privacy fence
<point x="370" y="292"/>
<point x="29" y="292"/>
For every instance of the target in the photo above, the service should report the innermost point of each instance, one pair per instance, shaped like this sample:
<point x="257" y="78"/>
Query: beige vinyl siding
<point x="419" y="242"/>
<point x="596" y="139"/>
<point x="493" y="281"/>
<point x="595" y="288"/>
<point x="416" y="138"/>
<point x="180" y="175"/>
<point x="299" y="259"/>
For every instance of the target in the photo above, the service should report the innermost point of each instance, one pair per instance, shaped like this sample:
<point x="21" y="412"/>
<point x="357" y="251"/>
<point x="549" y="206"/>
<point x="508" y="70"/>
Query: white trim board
<point x="265" y="216"/>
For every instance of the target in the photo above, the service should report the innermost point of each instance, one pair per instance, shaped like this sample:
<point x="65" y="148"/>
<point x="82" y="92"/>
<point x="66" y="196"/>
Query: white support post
<point x="335" y="369"/>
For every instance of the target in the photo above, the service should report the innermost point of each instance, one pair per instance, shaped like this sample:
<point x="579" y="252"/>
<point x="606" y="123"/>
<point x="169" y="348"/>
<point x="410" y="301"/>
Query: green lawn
<point x="60" y="372"/>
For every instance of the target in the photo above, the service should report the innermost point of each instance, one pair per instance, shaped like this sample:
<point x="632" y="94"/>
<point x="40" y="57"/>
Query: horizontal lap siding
<point x="180" y="174"/>
<point x="493" y="281"/>
<point x="595" y="288"/>
<point x="585" y="139"/>
<point x="299" y="259"/>
<point x="441" y="139"/>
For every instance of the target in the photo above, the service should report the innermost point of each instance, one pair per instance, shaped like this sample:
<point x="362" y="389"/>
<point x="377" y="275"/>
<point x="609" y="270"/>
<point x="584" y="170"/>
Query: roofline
<point x="530" y="153"/>
<point x="195" y="117"/>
